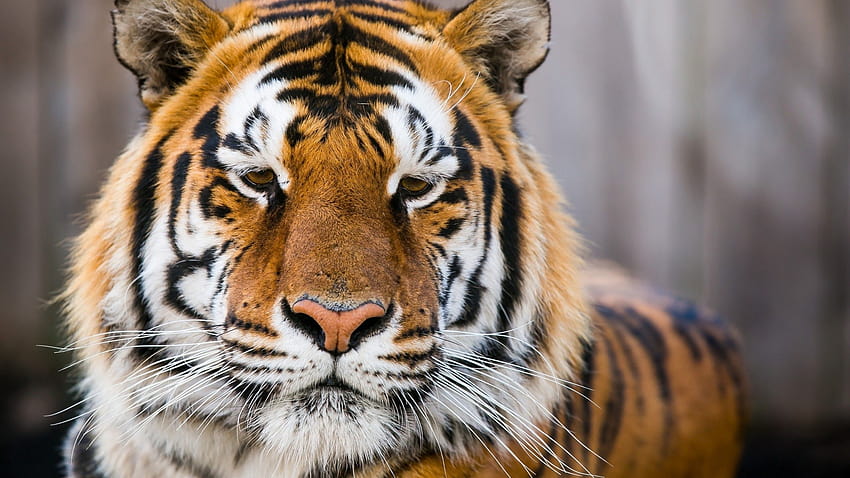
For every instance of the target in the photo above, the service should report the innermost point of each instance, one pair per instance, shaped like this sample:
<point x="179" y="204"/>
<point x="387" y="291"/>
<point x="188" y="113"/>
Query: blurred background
<point x="704" y="144"/>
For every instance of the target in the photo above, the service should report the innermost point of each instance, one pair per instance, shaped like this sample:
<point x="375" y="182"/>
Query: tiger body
<point x="329" y="254"/>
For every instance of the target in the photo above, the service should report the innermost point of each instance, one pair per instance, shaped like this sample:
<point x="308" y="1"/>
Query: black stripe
<point x="184" y="267"/>
<point x="293" y="131"/>
<point x="207" y="129"/>
<point x="379" y="76"/>
<point x="325" y="106"/>
<point x="464" y="159"/>
<point x="382" y="19"/>
<point x="465" y="132"/>
<point x="417" y="332"/>
<point x="376" y="145"/>
<point x="322" y="66"/>
<point x="455" y="196"/>
<point x="474" y="290"/>
<point x="613" y="406"/>
<point x="231" y="141"/>
<point x="253" y="350"/>
<point x="144" y="205"/>
<point x="411" y="359"/>
<point x="257" y="117"/>
<point x="451" y="227"/>
<point x="686" y="317"/>
<point x="455" y="268"/>
<point x="351" y="33"/>
<point x="383" y="127"/>
<point x="293" y="3"/>
<point x="655" y="347"/>
<point x="237" y="323"/>
<point x="294" y="15"/>
<point x="510" y="240"/>
<point x="178" y="181"/>
<point x="302" y="40"/>
<point x="588" y="372"/>
<point x="384" y="98"/>
<point x="209" y="209"/>
<point x="371" y="3"/>
<point x="631" y="362"/>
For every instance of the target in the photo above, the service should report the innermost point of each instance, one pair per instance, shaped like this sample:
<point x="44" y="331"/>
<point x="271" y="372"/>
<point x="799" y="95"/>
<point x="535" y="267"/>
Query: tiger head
<point x="329" y="238"/>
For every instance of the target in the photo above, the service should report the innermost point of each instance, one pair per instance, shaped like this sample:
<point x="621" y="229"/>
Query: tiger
<point x="329" y="252"/>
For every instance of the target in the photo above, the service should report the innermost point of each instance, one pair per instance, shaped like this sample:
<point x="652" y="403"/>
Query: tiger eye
<point x="260" y="178"/>
<point x="415" y="186"/>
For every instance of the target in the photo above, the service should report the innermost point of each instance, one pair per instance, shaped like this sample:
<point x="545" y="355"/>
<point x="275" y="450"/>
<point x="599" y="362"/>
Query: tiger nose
<point x="340" y="327"/>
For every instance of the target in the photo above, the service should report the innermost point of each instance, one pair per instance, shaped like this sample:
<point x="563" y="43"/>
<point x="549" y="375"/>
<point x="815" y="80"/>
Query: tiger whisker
<point x="552" y="416"/>
<point x="473" y="433"/>
<point x="517" y="431"/>
<point x="549" y="415"/>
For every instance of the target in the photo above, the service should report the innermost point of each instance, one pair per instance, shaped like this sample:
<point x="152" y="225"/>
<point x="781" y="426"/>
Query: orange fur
<point x="667" y="388"/>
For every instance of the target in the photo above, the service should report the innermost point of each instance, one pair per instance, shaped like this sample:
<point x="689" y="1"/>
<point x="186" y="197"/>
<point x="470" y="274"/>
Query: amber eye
<point x="260" y="178"/>
<point x="413" y="187"/>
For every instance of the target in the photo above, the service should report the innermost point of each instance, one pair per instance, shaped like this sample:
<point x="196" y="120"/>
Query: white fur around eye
<point x="412" y="159"/>
<point x="268" y="141"/>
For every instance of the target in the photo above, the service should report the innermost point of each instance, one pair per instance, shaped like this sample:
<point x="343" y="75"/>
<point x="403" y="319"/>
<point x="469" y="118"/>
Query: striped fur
<point x="491" y="357"/>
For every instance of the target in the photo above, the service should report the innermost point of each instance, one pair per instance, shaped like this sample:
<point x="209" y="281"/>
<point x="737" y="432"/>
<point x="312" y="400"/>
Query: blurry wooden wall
<point x="703" y="144"/>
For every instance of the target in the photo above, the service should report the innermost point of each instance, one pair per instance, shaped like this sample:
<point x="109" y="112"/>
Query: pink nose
<point x="338" y="326"/>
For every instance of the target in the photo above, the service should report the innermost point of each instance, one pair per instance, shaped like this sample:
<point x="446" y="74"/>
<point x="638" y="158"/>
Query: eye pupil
<point x="262" y="177"/>
<point x="415" y="186"/>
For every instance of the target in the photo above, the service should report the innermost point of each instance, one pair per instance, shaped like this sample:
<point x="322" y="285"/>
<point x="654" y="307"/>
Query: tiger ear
<point x="162" y="41"/>
<point x="505" y="40"/>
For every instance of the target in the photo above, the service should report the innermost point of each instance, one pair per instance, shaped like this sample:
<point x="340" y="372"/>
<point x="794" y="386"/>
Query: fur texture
<point x="356" y="152"/>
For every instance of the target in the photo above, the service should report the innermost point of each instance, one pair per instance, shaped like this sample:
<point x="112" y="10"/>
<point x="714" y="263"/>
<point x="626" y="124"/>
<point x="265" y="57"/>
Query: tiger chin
<point x="328" y="253"/>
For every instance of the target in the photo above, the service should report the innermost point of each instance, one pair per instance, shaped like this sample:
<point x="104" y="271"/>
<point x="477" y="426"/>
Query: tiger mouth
<point x="334" y="396"/>
<point x="333" y="384"/>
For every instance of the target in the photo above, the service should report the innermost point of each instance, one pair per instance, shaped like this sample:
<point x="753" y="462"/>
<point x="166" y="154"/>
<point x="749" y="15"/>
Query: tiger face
<point x="328" y="243"/>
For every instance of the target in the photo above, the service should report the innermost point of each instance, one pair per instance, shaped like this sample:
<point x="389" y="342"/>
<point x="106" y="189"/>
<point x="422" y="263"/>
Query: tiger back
<point x="328" y="253"/>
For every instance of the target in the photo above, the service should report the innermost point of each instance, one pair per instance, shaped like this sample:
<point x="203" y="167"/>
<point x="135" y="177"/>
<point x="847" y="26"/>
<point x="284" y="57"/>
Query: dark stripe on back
<point x="686" y="319"/>
<point x="614" y="405"/>
<point x="587" y="375"/>
<point x="654" y="346"/>
<point x="629" y="357"/>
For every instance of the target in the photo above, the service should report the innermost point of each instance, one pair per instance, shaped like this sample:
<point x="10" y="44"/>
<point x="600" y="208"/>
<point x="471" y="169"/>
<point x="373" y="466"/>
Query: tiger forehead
<point x="406" y="15"/>
<point x="328" y="84"/>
